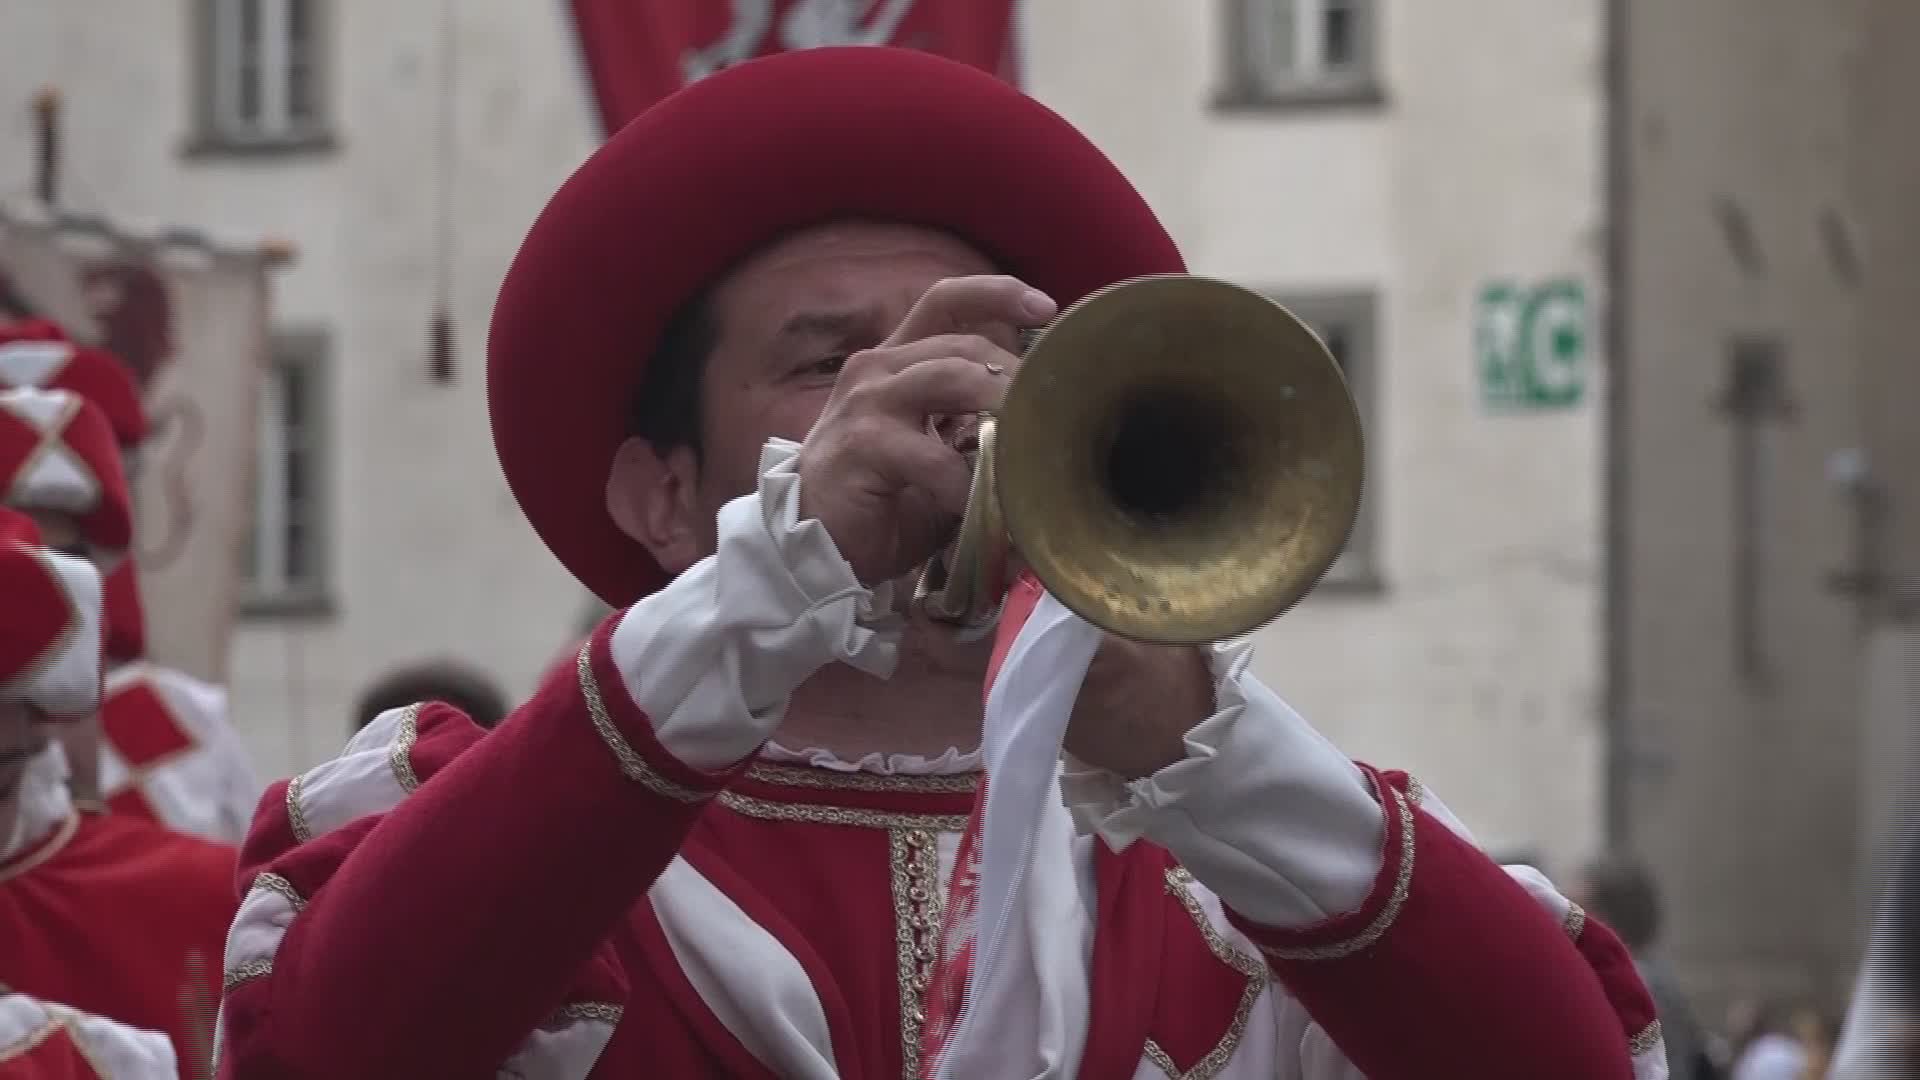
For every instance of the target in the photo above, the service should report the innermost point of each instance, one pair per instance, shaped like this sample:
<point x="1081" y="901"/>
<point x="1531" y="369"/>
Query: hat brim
<point x="719" y="170"/>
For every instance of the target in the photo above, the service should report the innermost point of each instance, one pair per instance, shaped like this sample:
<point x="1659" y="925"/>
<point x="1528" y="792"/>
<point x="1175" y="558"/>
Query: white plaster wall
<point x="1477" y="667"/>
<point x="431" y="555"/>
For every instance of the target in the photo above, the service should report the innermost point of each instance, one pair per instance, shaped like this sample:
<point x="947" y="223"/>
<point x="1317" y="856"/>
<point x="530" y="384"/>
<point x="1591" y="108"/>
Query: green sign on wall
<point x="1532" y="343"/>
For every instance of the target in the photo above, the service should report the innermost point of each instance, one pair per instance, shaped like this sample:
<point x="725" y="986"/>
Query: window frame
<point x="1245" y="85"/>
<point x="1358" y="569"/>
<point x="310" y="350"/>
<point x="217" y="130"/>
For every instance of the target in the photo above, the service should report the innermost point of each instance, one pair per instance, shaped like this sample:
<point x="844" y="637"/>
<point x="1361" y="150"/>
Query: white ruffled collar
<point x="954" y="761"/>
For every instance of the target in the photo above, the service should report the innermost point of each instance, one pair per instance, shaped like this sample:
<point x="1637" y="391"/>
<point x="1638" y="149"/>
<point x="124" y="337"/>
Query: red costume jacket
<point x="114" y="916"/>
<point x="621" y="881"/>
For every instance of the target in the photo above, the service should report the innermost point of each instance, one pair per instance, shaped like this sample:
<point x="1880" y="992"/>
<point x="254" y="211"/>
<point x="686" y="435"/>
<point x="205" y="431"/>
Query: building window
<point x="1287" y="52"/>
<point x="261" y="78"/>
<point x="286" y="570"/>
<point x="1348" y="323"/>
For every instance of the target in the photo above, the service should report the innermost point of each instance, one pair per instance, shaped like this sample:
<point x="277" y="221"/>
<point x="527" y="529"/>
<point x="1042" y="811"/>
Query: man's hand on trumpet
<point x="877" y="469"/>
<point x="885" y="470"/>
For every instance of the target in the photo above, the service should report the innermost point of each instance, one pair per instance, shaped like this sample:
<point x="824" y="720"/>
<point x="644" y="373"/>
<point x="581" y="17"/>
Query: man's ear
<point x="652" y="498"/>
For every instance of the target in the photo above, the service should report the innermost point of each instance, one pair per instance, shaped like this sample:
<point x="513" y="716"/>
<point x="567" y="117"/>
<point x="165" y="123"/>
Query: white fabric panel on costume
<point x="116" y="1051"/>
<point x="750" y="981"/>
<point x="209" y="791"/>
<point x="566" y="1051"/>
<point x="254" y="938"/>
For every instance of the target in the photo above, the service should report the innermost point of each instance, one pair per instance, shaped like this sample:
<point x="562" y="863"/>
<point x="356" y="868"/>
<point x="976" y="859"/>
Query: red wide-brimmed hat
<point x="720" y="169"/>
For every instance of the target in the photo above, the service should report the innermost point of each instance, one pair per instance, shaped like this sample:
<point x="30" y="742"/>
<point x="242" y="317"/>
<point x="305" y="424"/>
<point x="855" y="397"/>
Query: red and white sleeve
<point x="436" y="902"/>
<point x="1413" y="953"/>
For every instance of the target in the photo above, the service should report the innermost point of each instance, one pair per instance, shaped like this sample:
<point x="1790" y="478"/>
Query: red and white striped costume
<point x="626" y="879"/>
<point x="169" y="753"/>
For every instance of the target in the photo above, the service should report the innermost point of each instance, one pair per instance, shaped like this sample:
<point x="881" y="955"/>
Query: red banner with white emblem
<point x="638" y="53"/>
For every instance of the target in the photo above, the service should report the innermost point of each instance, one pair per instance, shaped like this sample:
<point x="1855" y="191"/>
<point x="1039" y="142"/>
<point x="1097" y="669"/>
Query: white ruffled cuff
<point x="1263" y="810"/>
<point x="713" y="657"/>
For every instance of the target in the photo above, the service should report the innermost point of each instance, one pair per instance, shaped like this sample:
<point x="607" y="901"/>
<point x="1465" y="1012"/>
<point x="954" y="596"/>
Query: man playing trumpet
<point x="718" y="844"/>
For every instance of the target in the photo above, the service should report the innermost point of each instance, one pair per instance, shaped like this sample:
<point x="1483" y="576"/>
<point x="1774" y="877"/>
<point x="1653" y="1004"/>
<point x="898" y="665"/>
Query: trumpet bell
<point x="1178" y="460"/>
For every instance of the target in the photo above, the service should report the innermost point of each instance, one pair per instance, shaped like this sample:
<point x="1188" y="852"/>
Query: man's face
<point x="786" y="319"/>
<point x="22" y="737"/>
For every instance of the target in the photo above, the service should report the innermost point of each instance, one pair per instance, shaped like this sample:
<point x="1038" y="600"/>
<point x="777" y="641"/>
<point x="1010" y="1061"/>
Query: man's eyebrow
<point x="842" y="323"/>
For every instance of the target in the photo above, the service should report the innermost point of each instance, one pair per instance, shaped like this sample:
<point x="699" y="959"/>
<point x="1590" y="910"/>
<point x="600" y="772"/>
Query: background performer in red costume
<point x="167" y="751"/>
<point x="716" y="845"/>
<point x="112" y="916"/>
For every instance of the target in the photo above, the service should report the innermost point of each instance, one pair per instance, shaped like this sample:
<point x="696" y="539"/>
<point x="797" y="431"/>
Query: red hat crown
<point x="720" y="169"/>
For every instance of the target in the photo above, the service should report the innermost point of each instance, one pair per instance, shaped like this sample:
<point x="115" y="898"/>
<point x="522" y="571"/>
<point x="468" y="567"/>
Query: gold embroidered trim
<point x="826" y="779"/>
<point x="1648" y="1038"/>
<point x="1382" y="922"/>
<point x="1416" y="791"/>
<point x="838" y="815"/>
<point x="400" y="754"/>
<point x="1576" y="921"/>
<point x="632" y="765"/>
<point x="1179" y="886"/>
<point x="919" y="905"/>
<point x="601" y="1012"/>
<point x="62" y="835"/>
<point x="296" y="814"/>
<point x="274" y="883"/>
<point x="245" y="972"/>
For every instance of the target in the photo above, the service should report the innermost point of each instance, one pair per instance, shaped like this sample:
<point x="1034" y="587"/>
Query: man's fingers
<point x="948" y="386"/>
<point x="912" y="459"/>
<point x="891" y="360"/>
<point x="967" y="304"/>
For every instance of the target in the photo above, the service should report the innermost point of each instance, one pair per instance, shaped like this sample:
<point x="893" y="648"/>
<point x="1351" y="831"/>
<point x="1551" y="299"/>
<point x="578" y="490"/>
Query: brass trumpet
<point x="1178" y="461"/>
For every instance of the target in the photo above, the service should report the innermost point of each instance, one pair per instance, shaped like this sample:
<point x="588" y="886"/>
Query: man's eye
<point x="826" y="366"/>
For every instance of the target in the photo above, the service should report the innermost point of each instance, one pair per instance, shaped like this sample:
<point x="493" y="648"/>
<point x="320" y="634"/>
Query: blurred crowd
<point x="1756" y="1037"/>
